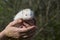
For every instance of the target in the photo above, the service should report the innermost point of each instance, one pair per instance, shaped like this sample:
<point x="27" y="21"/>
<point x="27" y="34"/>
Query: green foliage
<point x="47" y="14"/>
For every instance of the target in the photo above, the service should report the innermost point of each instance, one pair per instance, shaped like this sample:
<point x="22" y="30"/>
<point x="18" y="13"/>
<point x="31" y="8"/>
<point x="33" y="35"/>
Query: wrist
<point x="2" y="34"/>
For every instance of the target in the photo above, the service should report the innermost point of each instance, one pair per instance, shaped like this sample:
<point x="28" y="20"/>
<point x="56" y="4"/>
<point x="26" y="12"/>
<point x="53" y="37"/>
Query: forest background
<point x="47" y="14"/>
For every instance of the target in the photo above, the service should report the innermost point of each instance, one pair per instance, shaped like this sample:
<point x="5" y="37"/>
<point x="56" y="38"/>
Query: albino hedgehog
<point x="25" y="14"/>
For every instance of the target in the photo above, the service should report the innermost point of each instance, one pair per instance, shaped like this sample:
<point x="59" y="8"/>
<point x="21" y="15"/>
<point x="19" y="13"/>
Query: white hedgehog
<point x="25" y="14"/>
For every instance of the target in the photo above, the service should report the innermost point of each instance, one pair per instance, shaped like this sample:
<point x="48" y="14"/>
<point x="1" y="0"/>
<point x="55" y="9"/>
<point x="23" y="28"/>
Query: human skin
<point x="29" y="23"/>
<point x="8" y="31"/>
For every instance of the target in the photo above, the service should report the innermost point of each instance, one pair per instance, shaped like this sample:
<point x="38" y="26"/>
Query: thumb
<point x="15" y="22"/>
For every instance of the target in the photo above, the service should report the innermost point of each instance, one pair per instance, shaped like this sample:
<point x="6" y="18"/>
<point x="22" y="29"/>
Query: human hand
<point x="30" y="33"/>
<point x="12" y="31"/>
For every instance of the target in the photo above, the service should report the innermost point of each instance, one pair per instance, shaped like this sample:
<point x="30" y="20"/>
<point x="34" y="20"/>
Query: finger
<point x="25" y="24"/>
<point x="24" y="36"/>
<point x="29" y="28"/>
<point x="29" y="34"/>
<point x="30" y="22"/>
<point x="26" y="29"/>
<point x="15" y="22"/>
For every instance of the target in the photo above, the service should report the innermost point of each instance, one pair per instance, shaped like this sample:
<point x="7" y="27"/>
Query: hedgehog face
<point x="27" y="14"/>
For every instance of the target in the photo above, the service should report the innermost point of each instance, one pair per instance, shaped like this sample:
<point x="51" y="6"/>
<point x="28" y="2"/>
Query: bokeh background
<point x="47" y="14"/>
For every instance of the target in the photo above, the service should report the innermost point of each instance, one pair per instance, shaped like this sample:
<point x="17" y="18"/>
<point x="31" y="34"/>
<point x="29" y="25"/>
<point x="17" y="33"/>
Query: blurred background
<point x="47" y="14"/>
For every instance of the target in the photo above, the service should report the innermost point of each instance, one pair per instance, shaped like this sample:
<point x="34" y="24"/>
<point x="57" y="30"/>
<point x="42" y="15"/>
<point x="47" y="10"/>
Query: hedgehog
<point x="25" y="14"/>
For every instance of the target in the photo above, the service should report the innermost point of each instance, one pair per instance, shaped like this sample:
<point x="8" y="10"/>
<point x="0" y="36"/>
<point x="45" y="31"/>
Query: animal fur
<point x="25" y="14"/>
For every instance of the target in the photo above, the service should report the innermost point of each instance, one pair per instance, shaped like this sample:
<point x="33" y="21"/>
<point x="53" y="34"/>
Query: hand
<point x="15" y="32"/>
<point x="31" y="32"/>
